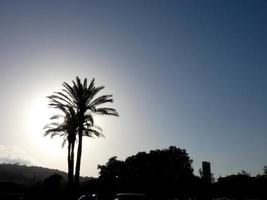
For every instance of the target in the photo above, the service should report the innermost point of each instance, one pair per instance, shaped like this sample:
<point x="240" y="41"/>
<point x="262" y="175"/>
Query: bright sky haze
<point x="187" y="73"/>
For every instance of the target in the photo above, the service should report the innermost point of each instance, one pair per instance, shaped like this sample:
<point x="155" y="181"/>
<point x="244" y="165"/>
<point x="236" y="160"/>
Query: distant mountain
<point x="25" y="174"/>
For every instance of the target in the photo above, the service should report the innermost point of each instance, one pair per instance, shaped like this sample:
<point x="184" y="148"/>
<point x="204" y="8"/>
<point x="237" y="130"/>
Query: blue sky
<point x="185" y="73"/>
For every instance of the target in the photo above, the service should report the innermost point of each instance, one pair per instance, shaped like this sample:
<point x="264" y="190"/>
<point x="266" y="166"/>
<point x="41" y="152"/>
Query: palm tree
<point x="82" y="98"/>
<point x="67" y="129"/>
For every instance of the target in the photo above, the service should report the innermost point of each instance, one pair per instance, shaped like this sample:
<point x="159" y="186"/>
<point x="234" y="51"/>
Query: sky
<point x="187" y="73"/>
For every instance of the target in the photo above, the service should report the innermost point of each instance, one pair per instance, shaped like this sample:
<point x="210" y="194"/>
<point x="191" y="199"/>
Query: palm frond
<point x="56" y="129"/>
<point x="58" y="98"/>
<point x="54" y="124"/>
<point x="88" y="118"/>
<point x="85" y="83"/>
<point x="56" y="117"/>
<point x="92" y="85"/>
<point x="64" y="142"/>
<point x="93" y="92"/>
<point x="90" y="132"/>
<point x="98" y="128"/>
<point x="101" y="100"/>
<point x="53" y="134"/>
<point x="55" y="103"/>
<point x="64" y="98"/>
<point x="69" y="90"/>
<point x="106" y="111"/>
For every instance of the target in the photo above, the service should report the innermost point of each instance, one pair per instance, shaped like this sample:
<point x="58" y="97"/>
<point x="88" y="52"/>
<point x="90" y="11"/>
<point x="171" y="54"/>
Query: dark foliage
<point x="161" y="174"/>
<point x="157" y="173"/>
<point x="167" y="174"/>
<point x="242" y="186"/>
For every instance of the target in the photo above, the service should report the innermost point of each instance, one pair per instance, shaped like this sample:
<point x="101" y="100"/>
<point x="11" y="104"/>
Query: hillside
<point x="22" y="173"/>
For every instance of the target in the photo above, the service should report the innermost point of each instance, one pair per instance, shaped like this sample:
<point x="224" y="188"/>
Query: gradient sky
<point x="187" y="73"/>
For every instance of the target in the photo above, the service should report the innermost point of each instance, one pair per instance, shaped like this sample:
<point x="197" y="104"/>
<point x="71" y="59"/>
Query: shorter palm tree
<point x="66" y="126"/>
<point x="67" y="129"/>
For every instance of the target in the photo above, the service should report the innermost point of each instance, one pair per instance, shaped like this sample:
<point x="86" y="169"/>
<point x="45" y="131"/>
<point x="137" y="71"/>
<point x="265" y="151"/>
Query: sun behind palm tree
<point x="82" y="99"/>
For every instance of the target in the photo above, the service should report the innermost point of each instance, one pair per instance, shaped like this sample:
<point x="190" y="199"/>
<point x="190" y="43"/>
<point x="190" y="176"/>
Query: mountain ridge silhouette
<point x="19" y="173"/>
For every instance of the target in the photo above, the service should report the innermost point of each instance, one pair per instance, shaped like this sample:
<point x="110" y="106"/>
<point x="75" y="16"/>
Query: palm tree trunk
<point x="70" y="166"/>
<point x="71" y="188"/>
<point x="72" y="161"/>
<point x="78" y="161"/>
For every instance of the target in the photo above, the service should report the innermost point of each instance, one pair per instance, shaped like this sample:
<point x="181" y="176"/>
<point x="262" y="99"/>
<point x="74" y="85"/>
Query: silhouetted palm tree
<point x="67" y="129"/>
<point x="82" y="98"/>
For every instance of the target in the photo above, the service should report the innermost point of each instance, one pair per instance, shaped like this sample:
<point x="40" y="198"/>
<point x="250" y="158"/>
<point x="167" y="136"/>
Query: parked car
<point x="86" y="197"/>
<point x="130" y="196"/>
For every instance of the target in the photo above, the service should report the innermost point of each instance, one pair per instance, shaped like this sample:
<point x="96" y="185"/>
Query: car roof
<point x="130" y="194"/>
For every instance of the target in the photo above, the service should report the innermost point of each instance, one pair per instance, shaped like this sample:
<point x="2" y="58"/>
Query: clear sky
<point x="187" y="73"/>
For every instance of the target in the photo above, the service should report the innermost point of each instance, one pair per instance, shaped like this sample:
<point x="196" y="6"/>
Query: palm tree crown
<point x="66" y="127"/>
<point x="79" y="103"/>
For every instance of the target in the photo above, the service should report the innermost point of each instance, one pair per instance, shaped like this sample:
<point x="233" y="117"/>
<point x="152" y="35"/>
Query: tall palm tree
<point x="82" y="98"/>
<point x="67" y="129"/>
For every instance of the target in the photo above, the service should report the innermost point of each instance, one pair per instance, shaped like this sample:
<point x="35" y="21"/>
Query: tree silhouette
<point x="82" y="99"/>
<point x="265" y="170"/>
<point x="53" y="187"/>
<point x="66" y="129"/>
<point x="158" y="173"/>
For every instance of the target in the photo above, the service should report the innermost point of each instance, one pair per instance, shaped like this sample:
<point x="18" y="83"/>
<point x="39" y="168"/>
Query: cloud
<point x="14" y="155"/>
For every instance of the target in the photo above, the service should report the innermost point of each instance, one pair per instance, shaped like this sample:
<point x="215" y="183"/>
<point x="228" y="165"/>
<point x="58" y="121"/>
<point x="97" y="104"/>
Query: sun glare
<point x="38" y="116"/>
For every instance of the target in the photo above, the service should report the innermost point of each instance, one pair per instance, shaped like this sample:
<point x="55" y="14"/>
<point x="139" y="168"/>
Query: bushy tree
<point x="156" y="172"/>
<point x="265" y="170"/>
